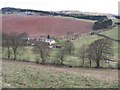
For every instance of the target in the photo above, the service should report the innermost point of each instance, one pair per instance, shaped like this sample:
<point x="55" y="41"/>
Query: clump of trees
<point x="90" y="17"/>
<point x="42" y="50"/>
<point x="60" y="57"/>
<point x="67" y="49"/>
<point x="13" y="42"/>
<point x="99" y="50"/>
<point x="102" y="24"/>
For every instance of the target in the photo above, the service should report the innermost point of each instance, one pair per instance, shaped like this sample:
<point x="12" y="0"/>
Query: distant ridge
<point x="37" y="22"/>
<point x="72" y="13"/>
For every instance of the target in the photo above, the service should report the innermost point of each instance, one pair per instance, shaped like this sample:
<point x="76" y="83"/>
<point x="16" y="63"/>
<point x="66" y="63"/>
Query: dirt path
<point x="107" y="75"/>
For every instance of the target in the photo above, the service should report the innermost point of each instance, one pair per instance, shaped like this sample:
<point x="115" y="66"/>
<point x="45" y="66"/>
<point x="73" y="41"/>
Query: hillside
<point x="113" y="33"/>
<point x="88" y="39"/>
<point x="37" y="22"/>
<point x="70" y="62"/>
<point x="30" y="75"/>
<point x="44" y="25"/>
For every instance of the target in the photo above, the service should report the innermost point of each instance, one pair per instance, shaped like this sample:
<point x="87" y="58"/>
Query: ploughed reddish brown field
<point x="44" y="25"/>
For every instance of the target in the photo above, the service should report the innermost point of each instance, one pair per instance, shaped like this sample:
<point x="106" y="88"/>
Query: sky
<point x="101" y="6"/>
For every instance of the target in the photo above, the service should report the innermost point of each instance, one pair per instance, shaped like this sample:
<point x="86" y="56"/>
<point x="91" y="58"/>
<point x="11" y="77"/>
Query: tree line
<point x="47" y="13"/>
<point x="102" y="24"/>
<point x="13" y="41"/>
<point x="97" y="51"/>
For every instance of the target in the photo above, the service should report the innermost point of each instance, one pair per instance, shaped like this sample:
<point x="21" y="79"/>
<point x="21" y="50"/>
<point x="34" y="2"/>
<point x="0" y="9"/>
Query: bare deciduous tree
<point x="42" y="50"/>
<point x="60" y="57"/>
<point x="67" y="49"/>
<point x="13" y="41"/>
<point x="17" y="41"/>
<point x="6" y="43"/>
<point x="99" y="50"/>
<point x="83" y="54"/>
<point x="69" y="36"/>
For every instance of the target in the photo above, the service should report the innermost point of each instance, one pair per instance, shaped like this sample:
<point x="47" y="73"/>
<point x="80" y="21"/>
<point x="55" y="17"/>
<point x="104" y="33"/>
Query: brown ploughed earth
<point x="44" y="25"/>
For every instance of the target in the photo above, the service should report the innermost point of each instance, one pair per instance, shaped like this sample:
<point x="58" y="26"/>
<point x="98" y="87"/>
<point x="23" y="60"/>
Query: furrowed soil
<point x="44" y="25"/>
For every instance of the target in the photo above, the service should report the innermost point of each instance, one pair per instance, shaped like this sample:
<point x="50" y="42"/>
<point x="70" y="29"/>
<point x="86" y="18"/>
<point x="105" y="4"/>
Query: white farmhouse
<point x="50" y="41"/>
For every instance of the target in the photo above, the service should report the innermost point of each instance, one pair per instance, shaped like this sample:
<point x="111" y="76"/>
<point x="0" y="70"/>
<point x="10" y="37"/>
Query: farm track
<point x="105" y="75"/>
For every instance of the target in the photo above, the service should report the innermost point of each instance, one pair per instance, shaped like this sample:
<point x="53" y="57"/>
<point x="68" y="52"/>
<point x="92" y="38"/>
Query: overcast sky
<point x="101" y="6"/>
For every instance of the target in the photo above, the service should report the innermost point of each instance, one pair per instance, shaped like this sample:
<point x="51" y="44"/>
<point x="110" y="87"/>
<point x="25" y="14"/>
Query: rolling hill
<point x="44" y="25"/>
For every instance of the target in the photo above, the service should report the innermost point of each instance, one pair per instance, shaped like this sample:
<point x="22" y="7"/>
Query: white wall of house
<point x="50" y="41"/>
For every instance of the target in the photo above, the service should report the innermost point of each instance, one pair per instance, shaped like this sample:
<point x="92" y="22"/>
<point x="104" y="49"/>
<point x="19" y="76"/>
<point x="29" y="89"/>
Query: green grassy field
<point x="17" y="74"/>
<point x="88" y="39"/>
<point x="74" y="60"/>
<point x="113" y="33"/>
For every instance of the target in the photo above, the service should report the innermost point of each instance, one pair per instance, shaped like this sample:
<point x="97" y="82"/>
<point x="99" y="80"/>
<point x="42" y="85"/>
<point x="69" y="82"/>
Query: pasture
<point x="26" y="54"/>
<point x="18" y="74"/>
<point x="23" y="72"/>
